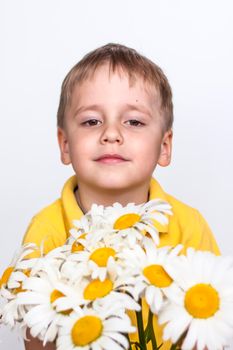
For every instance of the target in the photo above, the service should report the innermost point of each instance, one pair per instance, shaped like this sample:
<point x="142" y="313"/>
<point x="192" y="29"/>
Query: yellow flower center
<point x="77" y="246"/>
<point x="126" y="221"/>
<point x="56" y="294"/>
<point x="97" y="289"/>
<point x="6" y="275"/>
<point x="100" y="256"/>
<point x="86" y="330"/>
<point x="157" y="276"/>
<point x="202" y="301"/>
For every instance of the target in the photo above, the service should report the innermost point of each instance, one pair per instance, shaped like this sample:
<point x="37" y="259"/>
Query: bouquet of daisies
<point x="110" y="285"/>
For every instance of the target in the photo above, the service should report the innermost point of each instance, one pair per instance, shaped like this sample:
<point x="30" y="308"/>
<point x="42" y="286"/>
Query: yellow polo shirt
<point x="186" y="226"/>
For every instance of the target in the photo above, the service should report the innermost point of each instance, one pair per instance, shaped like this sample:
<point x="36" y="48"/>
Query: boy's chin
<point x="116" y="186"/>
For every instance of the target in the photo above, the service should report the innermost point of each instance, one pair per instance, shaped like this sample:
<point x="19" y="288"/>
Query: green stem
<point x="173" y="347"/>
<point x="152" y="334"/>
<point x="141" y="333"/>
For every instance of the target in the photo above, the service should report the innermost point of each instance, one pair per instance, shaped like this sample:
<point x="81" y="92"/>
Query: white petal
<point x="118" y="326"/>
<point x="37" y="284"/>
<point x="120" y="339"/>
<point x="31" y="298"/>
<point x="51" y="333"/>
<point x="149" y="295"/>
<point x="43" y="318"/>
<point x="157" y="301"/>
<point x="107" y="343"/>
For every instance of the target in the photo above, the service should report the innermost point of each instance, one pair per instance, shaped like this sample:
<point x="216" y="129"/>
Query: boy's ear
<point x="64" y="146"/>
<point x="166" y="149"/>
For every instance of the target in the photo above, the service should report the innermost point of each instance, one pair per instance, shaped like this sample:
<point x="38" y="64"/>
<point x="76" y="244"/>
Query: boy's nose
<point x="112" y="135"/>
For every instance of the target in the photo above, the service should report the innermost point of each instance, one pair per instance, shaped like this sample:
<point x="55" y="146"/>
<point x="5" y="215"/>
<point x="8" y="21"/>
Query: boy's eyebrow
<point x="86" y="108"/>
<point x="133" y="107"/>
<point x="138" y="107"/>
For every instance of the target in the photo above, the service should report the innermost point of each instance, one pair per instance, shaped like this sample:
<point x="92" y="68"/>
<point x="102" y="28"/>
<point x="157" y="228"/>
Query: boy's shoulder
<point x="186" y="224"/>
<point x="47" y="227"/>
<point x="51" y="225"/>
<point x="52" y="209"/>
<point x="188" y="227"/>
<point x="51" y="214"/>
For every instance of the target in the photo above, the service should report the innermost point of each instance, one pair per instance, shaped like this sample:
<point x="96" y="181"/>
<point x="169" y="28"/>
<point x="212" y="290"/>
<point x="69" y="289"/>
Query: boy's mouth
<point x="111" y="159"/>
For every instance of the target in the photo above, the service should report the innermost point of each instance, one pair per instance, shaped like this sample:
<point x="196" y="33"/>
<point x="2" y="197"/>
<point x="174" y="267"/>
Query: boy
<point x="114" y="126"/>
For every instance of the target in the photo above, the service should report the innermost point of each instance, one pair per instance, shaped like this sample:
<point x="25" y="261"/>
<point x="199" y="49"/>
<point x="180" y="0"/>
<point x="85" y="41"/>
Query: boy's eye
<point x="134" y="122"/>
<point x="91" y="122"/>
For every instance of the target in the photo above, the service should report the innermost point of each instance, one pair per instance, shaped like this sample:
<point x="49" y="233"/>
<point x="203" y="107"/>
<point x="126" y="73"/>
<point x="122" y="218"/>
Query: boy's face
<point x="113" y="134"/>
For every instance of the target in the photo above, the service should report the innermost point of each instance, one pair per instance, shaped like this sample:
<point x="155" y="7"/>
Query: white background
<point x="41" y="40"/>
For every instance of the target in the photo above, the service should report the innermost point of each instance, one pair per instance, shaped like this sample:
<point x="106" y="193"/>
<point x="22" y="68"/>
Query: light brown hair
<point x="131" y="62"/>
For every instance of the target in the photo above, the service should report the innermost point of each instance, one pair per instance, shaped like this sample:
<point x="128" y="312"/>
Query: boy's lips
<point x="111" y="158"/>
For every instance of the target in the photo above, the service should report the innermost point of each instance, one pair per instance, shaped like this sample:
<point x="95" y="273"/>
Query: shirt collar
<point x="72" y="211"/>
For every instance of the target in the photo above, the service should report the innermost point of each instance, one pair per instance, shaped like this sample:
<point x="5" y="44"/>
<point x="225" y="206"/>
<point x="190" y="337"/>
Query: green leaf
<point x="147" y="334"/>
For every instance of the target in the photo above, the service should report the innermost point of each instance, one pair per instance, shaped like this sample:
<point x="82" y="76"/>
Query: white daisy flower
<point x="120" y="225"/>
<point x="19" y="267"/>
<point x="12" y="313"/>
<point x="133" y="219"/>
<point x="39" y="296"/>
<point x="11" y="284"/>
<point x="107" y="323"/>
<point x="95" y="261"/>
<point x="83" y="291"/>
<point x="148" y="264"/>
<point x="200" y="309"/>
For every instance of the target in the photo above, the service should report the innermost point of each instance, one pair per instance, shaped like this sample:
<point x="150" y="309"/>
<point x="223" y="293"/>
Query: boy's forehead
<point x="97" y="75"/>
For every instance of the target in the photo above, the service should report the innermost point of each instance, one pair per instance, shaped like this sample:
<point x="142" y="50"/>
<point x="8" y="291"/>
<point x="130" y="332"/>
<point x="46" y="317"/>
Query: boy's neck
<point x="85" y="196"/>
